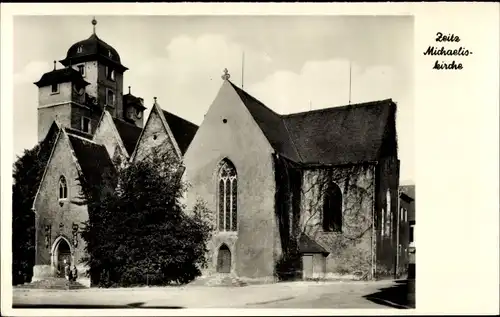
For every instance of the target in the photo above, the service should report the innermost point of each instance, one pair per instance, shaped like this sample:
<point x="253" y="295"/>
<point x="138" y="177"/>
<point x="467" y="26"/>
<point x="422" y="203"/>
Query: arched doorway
<point x="60" y="253"/>
<point x="224" y="260"/>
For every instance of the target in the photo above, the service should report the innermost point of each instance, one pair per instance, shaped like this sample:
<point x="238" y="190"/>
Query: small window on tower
<point x="55" y="88"/>
<point x="110" y="99"/>
<point x="110" y="73"/>
<point x="81" y="69"/>
<point x="86" y="127"/>
<point x="80" y="49"/>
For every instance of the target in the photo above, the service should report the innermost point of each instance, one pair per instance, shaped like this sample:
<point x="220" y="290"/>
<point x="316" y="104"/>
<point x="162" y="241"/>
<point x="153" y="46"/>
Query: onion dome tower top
<point x="93" y="48"/>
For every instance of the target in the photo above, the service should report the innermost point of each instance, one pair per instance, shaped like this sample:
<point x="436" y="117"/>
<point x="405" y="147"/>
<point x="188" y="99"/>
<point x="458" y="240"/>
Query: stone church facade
<point x="319" y="186"/>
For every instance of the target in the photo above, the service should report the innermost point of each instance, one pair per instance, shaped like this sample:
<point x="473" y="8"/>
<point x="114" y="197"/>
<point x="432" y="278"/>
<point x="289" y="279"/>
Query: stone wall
<point x="351" y="249"/>
<point x="229" y="131"/>
<point x="47" y="116"/>
<point x="154" y="137"/>
<point x="60" y="215"/>
<point x="387" y="212"/>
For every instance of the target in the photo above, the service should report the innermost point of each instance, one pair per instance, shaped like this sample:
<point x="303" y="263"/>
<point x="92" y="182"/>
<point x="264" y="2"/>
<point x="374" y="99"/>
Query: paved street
<point x="282" y="295"/>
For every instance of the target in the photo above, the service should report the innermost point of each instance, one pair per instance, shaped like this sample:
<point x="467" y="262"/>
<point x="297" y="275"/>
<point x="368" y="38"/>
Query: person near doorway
<point x="75" y="273"/>
<point x="67" y="270"/>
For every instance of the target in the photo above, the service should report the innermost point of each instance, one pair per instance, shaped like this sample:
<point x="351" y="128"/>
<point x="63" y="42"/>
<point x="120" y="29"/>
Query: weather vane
<point x="226" y="75"/>
<point x="94" y="22"/>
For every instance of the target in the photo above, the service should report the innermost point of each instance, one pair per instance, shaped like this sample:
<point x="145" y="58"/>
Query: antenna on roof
<point x="242" y="69"/>
<point x="54" y="65"/>
<point x="350" y="66"/>
<point x="129" y="90"/>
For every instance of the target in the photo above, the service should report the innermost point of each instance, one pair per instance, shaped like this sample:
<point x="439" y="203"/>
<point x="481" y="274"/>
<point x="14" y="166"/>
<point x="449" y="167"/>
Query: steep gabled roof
<point x="78" y="133"/>
<point x="94" y="161"/>
<point x="308" y="245"/>
<point x="129" y="134"/>
<point x="334" y="136"/>
<point x="408" y="191"/>
<point x="182" y="130"/>
<point x="271" y="124"/>
<point x="341" y="135"/>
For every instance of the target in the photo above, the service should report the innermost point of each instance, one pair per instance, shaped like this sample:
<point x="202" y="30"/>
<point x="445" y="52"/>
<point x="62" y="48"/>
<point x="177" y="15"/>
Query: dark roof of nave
<point x="308" y="245"/>
<point x="129" y="134"/>
<point x="408" y="190"/>
<point x="332" y="136"/>
<point x="62" y="75"/>
<point x="78" y="133"/>
<point x="271" y="124"/>
<point x="96" y="165"/>
<point x="92" y="48"/>
<point x="182" y="130"/>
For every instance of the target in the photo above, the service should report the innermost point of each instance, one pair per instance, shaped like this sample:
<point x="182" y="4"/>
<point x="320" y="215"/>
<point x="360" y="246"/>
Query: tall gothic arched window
<point x="227" y="196"/>
<point x="332" y="208"/>
<point x="63" y="188"/>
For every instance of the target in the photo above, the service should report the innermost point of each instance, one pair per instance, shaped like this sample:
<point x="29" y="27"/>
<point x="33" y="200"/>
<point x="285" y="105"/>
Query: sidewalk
<point x="199" y="296"/>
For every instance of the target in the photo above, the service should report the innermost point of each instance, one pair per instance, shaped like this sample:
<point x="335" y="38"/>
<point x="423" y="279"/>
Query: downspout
<point x="373" y="238"/>
<point x="396" y="271"/>
<point x="36" y="241"/>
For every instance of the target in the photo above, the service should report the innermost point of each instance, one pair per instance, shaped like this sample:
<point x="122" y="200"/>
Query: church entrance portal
<point x="62" y="252"/>
<point x="224" y="260"/>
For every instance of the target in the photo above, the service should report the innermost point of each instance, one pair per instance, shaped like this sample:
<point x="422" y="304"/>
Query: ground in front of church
<point x="335" y="294"/>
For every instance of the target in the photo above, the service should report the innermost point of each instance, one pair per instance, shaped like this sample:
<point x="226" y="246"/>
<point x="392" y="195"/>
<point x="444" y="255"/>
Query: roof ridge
<point x="260" y="102"/>
<point x="291" y="139"/>
<point x="80" y="137"/>
<point x="357" y="105"/>
<point x="173" y="114"/>
<point x="125" y="122"/>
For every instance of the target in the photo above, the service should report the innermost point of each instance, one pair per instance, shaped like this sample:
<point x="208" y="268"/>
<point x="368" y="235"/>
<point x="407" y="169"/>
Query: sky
<point x="291" y="63"/>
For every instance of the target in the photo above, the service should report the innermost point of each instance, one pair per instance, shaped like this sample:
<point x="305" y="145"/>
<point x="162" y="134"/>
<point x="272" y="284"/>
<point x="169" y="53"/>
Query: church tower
<point x="91" y="81"/>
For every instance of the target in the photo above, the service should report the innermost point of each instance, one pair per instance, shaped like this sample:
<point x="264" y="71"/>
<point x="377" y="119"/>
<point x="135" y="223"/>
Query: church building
<point x="318" y="187"/>
<point x="322" y="184"/>
<point x="91" y="126"/>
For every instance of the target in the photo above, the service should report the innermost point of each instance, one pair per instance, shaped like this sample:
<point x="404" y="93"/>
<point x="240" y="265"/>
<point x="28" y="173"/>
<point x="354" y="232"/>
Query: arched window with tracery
<point x="332" y="208"/>
<point x="227" y="196"/>
<point x="63" y="188"/>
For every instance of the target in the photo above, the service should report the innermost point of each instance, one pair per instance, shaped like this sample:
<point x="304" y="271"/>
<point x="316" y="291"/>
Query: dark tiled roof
<point x="96" y="165"/>
<point x="338" y="135"/>
<point x="91" y="48"/>
<point x="78" y="133"/>
<point x="308" y="245"/>
<point x="271" y="125"/>
<point x="129" y="134"/>
<point x="62" y="75"/>
<point x="408" y="190"/>
<point x="341" y="135"/>
<point x="182" y="130"/>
